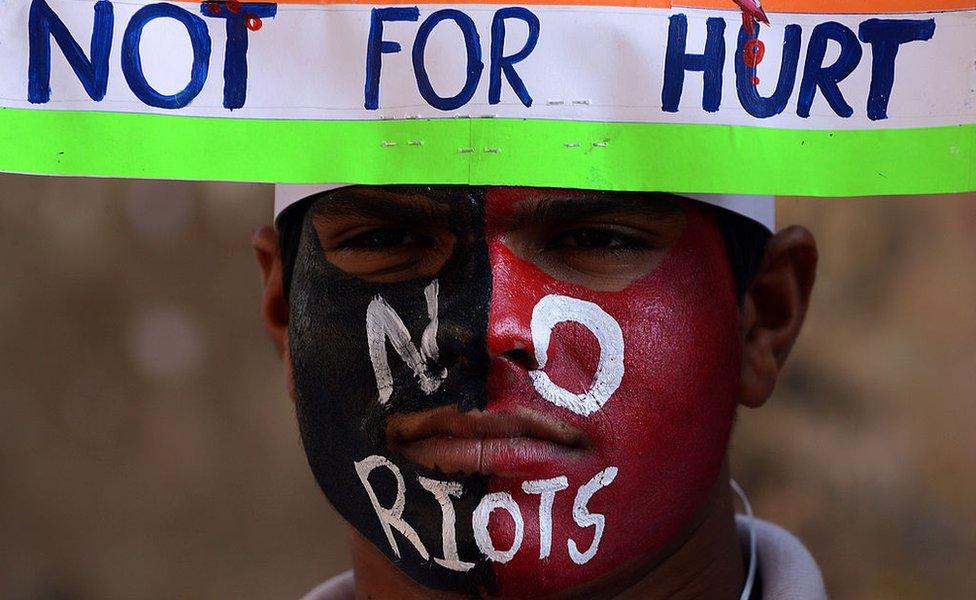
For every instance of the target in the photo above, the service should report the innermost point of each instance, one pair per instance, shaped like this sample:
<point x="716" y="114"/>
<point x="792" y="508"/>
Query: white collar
<point x="786" y="570"/>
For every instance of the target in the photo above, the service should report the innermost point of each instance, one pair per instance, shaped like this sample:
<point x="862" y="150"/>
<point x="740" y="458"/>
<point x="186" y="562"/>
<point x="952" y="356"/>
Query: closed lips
<point x="513" y="444"/>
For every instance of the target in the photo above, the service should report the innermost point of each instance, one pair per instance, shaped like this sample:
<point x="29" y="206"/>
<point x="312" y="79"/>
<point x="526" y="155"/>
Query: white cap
<point x="761" y="209"/>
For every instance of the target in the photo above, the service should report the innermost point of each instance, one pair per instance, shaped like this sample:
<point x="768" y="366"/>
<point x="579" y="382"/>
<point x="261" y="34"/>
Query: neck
<point x="705" y="561"/>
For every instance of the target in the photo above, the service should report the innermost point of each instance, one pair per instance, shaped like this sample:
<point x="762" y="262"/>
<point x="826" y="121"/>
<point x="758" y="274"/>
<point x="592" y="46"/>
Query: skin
<point x="702" y="557"/>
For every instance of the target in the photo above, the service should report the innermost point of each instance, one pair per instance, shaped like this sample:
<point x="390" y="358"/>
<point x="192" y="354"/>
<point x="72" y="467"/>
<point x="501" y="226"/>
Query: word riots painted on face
<point x="490" y="51"/>
<point x="445" y="492"/>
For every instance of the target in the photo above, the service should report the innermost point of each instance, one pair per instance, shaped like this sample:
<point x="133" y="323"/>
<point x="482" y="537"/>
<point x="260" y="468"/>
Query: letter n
<point x="43" y="24"/>
<point x="382" y="324"/>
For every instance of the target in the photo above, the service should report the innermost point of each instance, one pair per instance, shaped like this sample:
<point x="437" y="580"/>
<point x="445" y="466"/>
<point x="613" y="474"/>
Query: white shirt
<point x="786" y="569"/>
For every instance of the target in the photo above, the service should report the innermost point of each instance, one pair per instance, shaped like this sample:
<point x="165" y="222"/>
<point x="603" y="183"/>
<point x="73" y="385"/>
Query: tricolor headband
<point x="761" y="209"/>
<point x="829" y="98"/>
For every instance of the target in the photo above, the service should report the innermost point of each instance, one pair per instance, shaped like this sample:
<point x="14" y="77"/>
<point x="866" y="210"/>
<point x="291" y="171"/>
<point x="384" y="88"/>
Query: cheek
<point x="666" y="426"/>
<point x="677" y="398"/>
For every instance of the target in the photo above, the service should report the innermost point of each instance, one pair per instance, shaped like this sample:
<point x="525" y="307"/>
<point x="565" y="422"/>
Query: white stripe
<point x="591" y="63"/>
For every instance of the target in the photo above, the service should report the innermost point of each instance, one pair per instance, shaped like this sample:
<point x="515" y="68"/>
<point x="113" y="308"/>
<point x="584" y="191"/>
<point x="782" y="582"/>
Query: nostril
<point x="448" y="357"/>
<point x="510" y="337"/>
<point x="522" y="357"/>
<point x="455" y="346"/>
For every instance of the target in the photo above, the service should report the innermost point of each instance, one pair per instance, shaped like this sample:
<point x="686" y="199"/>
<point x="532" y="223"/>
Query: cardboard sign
<point x="829" y="98"/>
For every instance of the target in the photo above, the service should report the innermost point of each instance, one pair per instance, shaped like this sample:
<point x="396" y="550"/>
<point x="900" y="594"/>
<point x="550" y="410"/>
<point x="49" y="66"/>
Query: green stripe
<point x="631" y="156"/>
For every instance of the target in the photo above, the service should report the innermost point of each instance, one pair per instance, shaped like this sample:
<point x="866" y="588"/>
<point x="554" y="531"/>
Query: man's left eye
<point x="384" y="239"/>
<point x="595" y="238"/>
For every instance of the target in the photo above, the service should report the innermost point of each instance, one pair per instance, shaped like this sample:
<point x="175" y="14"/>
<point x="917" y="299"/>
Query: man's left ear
<point x="773" y="310"/>
<point x="274" y="306"/>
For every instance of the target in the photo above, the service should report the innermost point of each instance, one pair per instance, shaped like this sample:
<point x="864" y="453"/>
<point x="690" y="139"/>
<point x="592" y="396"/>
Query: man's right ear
<point x="773" y="310"/>
<point x="274" y="306"/>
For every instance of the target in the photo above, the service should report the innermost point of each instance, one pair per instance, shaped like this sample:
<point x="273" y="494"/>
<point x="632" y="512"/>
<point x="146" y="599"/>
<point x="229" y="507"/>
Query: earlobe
<point x="274" y="306"/>
<point x="773" y="311"/>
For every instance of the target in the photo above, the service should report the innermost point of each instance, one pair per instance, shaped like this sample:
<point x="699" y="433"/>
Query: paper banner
<point x="830" y="98"/>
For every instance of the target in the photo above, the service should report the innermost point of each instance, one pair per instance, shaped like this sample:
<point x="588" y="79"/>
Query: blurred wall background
<point x="148" y="449"/>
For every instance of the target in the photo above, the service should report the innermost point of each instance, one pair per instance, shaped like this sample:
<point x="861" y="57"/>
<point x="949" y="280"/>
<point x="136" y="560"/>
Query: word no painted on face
<point x="328" y="74"/>
<point x="384" y="326"/>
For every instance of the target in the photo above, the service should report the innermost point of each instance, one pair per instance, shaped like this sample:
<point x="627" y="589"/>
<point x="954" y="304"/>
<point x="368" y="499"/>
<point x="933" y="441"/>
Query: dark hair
<point x="745" y="243"/>
<point x="289" y="225"/>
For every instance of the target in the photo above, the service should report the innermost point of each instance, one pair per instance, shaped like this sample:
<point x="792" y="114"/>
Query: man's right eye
<point x="387" y="253"/>
<point x="388" y="238"/>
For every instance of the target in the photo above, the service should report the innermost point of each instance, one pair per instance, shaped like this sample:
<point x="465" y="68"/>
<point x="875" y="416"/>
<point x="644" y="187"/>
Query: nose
<point x="510" y="313"/>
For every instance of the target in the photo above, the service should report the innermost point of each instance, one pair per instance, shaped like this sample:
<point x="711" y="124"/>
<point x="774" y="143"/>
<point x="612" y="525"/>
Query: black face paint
<point x="342" y="413"/>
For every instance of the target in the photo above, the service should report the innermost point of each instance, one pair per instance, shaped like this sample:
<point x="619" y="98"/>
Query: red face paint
<point x="665" y="428"/>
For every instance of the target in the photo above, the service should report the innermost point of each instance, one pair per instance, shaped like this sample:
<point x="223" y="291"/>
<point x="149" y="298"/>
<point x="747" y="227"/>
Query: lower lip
<point x="504" y="457"/>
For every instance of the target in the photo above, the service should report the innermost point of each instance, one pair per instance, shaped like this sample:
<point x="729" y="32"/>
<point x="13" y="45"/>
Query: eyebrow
<point x="394" y="207"/>
<point x="414" y="207"/>
<point x="548" y="210"/>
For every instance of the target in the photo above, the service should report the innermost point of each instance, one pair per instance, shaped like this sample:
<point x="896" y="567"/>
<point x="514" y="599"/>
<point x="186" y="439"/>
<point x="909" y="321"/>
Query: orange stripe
<point x="771" y="6"/>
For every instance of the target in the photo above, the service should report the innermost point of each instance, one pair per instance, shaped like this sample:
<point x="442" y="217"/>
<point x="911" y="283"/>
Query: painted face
<point x="513" y="391"/>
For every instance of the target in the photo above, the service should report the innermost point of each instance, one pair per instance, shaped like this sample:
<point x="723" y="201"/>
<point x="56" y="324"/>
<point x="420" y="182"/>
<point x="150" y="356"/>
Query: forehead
<point x="515" y="204"/>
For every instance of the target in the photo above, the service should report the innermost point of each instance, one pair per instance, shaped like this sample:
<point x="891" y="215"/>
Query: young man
<point x="524" y="392"/>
